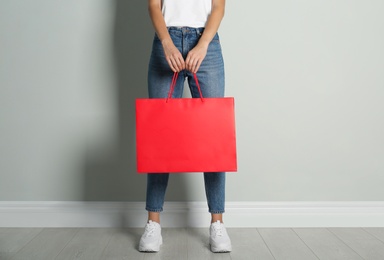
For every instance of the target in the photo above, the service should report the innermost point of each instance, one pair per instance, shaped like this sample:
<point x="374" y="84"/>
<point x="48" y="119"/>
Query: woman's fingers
<point x="174" y="58"/>
<point x="189" y="63"/>
<point x="172" y="65"/>
<point x="193" y="65"/>
<point x="194" y="58"/>
<point x="176" y="63"/>
<point x="197" y="66"/>
<point x="180" y="64"/>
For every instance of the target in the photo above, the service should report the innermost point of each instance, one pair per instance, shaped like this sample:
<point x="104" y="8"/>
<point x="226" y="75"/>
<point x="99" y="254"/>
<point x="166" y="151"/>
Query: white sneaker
<point x="151" y="239"/>
<point x="219" y="239"/>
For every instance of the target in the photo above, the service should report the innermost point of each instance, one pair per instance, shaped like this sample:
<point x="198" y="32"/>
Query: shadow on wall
<point x="115" y="178"/>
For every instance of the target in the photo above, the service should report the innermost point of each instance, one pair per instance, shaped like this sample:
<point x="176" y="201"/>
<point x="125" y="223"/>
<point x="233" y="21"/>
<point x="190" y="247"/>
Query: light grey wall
<point x="307" y="77"/>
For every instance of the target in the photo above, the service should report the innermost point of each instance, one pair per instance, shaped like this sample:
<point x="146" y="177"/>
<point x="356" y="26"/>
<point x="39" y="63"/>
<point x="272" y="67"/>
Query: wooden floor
<point x="192" y="243"/>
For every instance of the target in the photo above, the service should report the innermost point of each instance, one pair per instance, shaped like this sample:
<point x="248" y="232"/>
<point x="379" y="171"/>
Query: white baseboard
<point x="192" y="214"/>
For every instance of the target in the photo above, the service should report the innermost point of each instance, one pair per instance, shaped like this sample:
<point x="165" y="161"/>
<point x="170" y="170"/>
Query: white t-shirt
<point x="191" y="13"/>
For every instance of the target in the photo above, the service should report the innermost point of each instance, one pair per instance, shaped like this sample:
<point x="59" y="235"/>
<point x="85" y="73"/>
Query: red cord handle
<point x="173" y="84"/>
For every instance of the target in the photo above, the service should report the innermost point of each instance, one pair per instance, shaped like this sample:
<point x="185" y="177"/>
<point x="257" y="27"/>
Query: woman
<point x="186" y="41"/>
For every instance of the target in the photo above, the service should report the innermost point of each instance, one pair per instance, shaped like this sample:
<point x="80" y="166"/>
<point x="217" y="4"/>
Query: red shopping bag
<point x="185" y="134"/>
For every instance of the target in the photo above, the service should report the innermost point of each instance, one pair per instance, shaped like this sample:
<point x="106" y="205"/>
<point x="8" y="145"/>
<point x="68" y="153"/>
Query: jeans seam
<point x="153" y="210"/>
<point x="217" y="212"/>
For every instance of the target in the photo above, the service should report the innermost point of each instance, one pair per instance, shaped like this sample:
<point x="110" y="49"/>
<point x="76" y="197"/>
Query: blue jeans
<point x="211" y="80"/>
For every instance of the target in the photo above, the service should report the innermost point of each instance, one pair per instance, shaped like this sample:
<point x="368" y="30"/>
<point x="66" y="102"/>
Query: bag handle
<point x="173" y="84"/>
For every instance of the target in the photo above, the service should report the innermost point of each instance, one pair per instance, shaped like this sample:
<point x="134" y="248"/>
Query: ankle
<point x="154" y="217"/>
<point x="216" y="217"/>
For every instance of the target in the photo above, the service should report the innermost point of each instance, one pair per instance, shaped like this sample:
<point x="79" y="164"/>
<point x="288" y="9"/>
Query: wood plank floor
<point x="192" y="243"/>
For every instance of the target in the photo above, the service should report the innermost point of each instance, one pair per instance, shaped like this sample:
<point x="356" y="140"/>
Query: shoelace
<point x="218" y="230"/>
<point x="150" y="230"/>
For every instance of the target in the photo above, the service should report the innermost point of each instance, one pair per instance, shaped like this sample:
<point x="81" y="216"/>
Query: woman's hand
<point x="195" y="57"/>
<point x="173" y="56"/>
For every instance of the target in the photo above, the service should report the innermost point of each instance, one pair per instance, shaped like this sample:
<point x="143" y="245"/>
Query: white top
<point x="191" y="13"/>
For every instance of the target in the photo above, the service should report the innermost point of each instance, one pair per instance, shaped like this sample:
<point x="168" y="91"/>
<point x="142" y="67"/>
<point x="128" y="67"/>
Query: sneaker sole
<point x="151" y="249"/>
<point x="221" y="249"/>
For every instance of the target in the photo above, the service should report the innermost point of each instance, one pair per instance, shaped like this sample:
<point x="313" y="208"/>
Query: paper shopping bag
<point x="178" y="135"/>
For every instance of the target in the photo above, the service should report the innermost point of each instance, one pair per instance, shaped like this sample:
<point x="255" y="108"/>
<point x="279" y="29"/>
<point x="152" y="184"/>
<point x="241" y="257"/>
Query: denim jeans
<point x="211" y="80"/>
